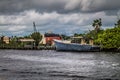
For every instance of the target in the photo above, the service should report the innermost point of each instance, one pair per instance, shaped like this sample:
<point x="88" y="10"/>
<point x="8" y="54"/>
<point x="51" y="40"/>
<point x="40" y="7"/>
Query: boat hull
<point x="61" y="46"/>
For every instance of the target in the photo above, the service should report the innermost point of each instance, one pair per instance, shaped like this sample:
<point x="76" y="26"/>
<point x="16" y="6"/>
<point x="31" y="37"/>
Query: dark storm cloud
<point x="71" y="16"/>
<point x="13" y="6"/>
<point x="61" y="6"/>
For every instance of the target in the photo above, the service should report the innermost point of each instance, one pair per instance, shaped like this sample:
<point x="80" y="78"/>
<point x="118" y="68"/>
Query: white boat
<point x="63" y="46"/>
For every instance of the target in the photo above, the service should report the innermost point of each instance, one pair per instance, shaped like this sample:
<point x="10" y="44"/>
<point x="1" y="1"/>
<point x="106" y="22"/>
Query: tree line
<point x="109" y="38"/>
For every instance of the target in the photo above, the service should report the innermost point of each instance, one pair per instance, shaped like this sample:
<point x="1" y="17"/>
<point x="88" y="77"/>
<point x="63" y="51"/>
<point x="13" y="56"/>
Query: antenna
<point x="34" y="26"/>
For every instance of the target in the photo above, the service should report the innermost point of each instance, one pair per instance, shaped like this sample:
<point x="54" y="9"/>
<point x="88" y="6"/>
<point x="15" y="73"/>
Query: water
<point x="52" y="65"/>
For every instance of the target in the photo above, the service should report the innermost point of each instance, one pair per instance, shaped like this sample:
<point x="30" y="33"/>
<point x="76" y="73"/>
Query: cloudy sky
<point x="59" y="16"/>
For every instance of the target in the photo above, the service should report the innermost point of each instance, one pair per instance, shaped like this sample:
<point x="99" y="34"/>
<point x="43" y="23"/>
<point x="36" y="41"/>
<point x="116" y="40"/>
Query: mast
<point x="34" y="27"/>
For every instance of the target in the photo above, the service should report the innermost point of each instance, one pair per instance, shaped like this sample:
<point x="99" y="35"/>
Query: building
<point x="5" y="39"/>
<point x="26" y="40"/>
<point x="49" y="37"/>
<point x="28" y="43"/>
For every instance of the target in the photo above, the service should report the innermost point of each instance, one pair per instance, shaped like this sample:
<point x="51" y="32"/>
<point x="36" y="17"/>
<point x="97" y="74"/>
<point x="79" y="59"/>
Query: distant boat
<point x="63" y="46"/>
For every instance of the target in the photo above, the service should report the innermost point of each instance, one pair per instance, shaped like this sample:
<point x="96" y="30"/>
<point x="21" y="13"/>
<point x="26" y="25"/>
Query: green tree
<point x="27" y="37"/>
<point x="76" y="34"/>
<point x="65" y="37"/>
<point x="118" y="23"/>
<point x="14" y="42"/>
<point x="37" y="37"/>
<point x="92" y="34"/>
<point x="110" y="38"/>
<point x="1" y="41"/>
<point x="97" y="24"/>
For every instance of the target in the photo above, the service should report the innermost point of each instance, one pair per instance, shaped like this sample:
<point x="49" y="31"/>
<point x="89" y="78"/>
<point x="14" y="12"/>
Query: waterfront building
<point x="28" y="43"/>
<point x="5" y="39"/>
<point x="49" y="37"/>
<point x="26" y="40"/>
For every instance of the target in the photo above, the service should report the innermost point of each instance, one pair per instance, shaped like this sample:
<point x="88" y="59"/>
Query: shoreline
<point x="53" y="48"/>
<point x="30" y="48"/>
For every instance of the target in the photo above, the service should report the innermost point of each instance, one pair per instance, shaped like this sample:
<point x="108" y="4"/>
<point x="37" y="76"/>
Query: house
<point x="49" y="37"/>
<point x="28" y="43"/>
<point x="26" y="40"/>
<point x="5" y="39"/>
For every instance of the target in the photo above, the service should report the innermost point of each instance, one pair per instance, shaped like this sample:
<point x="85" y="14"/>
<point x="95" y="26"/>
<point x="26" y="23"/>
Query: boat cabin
<point x="82" y="40"/>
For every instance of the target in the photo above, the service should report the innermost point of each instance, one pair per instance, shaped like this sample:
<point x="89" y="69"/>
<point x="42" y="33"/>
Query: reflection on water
<point x="52" y="65"/>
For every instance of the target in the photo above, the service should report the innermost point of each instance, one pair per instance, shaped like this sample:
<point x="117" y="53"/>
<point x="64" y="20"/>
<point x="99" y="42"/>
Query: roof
<point x="80" y="37"/>
<point x="51" y="35"/>
<point x="26" y="40"/>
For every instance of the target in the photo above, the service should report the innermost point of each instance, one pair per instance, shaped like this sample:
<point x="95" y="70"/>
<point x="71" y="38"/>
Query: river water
<point x="52" y="65"/>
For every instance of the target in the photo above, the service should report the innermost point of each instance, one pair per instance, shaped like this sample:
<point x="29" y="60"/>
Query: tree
<point x="76" y="34"/>
<point x="65" y="37"/>
<point x="1" y="41"/>
<point x="37" y="37"/>
<point x="110" y="38"/>
<point x="13" y="42"/>
<point x="118" y="23"/>
<point x="97" y="24"/>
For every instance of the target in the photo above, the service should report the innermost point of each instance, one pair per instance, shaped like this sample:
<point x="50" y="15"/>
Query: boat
<point x="62" y="45"/>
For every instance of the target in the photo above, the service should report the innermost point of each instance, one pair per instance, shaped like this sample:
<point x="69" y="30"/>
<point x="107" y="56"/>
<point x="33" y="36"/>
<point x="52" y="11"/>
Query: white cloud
<point x="56" y="22"/>
<point x="16" y="28"/>
<point x="72" y="4"/>
<point x="60" y="16"/>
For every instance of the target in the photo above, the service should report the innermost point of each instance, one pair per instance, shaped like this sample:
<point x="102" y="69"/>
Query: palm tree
<point x="97" y="24"/>
<point x="118" y="23"/>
